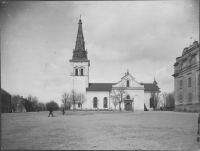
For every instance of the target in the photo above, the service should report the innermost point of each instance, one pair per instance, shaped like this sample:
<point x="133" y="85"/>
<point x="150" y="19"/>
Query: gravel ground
<point x="153" y="130"/>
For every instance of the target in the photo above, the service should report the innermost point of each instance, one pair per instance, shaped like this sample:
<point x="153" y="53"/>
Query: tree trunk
<point x="120" y="106"/>
<point x="74" y="107"/>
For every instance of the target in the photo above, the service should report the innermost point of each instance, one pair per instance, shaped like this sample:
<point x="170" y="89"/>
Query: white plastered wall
<point x="100" y="96"/>
<point x="79" y="83"/>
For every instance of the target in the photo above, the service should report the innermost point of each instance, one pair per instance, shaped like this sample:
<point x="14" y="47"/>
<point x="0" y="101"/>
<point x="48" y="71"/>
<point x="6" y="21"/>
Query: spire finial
<point x="155" y="81"/>
<point x="127" y="71"/>
<point x="80" y="16"/>
<point x="190" y="40"/>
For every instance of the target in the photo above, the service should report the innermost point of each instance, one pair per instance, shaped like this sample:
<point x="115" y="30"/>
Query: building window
<point x="105" y="102"/>
<point x="95" y="102"/>
<point x="127" y="83"/>
<point x="76" y="72"/>
<point x="128" y="96"/>
<point x="181" y="66"/>
<point x="181" y="99"/>
<point x="189" y="97"/>
<point x="189" y="82"/>
<point x="181" y="84"/>
<point x="190" y="62"/>
<point x="82" y="72"/>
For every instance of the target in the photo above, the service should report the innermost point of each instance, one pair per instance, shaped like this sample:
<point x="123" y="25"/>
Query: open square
<point x="100" y="130"/>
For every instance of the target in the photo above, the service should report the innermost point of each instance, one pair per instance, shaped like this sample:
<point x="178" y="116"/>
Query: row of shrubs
<point x="187" y="110"/>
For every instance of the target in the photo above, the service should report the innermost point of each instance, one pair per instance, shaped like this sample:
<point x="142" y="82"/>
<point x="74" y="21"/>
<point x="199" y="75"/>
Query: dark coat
<point x="51" y="109"/>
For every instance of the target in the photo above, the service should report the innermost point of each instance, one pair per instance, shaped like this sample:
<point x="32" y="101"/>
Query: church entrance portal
<point x="128" y="105"/>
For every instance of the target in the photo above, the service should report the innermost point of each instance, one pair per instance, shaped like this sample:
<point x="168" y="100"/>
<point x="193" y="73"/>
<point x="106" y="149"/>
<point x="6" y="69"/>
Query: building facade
<point x="135" y="95"/>
<point x="186" y="77"/>
<point x="5" y="102"/>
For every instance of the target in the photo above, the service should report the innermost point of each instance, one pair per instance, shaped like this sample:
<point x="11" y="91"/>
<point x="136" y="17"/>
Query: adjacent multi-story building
<point x="5" y="101"/>
<point x="186" y="77"/>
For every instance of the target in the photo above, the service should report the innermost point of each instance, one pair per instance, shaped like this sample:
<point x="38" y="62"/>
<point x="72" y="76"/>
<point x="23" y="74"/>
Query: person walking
<point x="63" y="111"/>
<point x="51" y="112"/>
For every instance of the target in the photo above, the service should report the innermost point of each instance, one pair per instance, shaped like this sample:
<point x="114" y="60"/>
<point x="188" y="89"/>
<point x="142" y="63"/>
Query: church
<point x="131" y="94"/>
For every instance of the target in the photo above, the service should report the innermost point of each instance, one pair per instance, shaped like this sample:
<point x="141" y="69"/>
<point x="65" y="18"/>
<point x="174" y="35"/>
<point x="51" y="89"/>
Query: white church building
<point x="136" y="96"/>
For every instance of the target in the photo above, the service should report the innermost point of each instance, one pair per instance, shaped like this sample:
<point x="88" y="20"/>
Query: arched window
<point x="189" y="97"/>
<point x="105" y="102"/>
<point x="76" y="72"/>
<point x="127" y="83"/>
<point x="82" y="72"/>
<point x="95" y="102"/>
<point x="128" y="96"/>
<point x="181" y="84"/>
<point x="181" y="66"/>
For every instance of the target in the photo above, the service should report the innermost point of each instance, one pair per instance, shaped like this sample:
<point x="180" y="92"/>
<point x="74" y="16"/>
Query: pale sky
<point x="145" y="37"/>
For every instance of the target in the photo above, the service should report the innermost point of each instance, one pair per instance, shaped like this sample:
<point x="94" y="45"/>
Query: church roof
<point x="150" y="87"/>
<point x="108" y="86"/>
<point x="100" y="86"/>
<point x="4" y="92"/>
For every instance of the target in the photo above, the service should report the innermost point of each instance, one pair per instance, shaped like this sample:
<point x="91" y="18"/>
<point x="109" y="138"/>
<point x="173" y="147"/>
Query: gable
<point x="128" y="76"/>
<point x="132" y="83"/>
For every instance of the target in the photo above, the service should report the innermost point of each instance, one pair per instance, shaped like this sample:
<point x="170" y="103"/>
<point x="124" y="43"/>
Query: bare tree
<point x="115" y="100"/>
<point x="120" y="93"/>
<point x="170" y="104"/>
<point x="74" y="98"/>
<point x="65" y="99"/>
<point x="164" y="98"/>
<point x="17" y="103"/>
<point x="81" y="99"/>
<point x="41" y="106"/>
<point x="33" y="100"/>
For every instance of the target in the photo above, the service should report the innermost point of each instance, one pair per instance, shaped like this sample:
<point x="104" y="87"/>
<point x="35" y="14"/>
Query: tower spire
<point x="155" y="81"/>
<point x="80" y="53"/>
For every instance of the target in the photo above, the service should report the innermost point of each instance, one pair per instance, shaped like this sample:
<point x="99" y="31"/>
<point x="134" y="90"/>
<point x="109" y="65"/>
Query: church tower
<point x="79" y="64"/>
